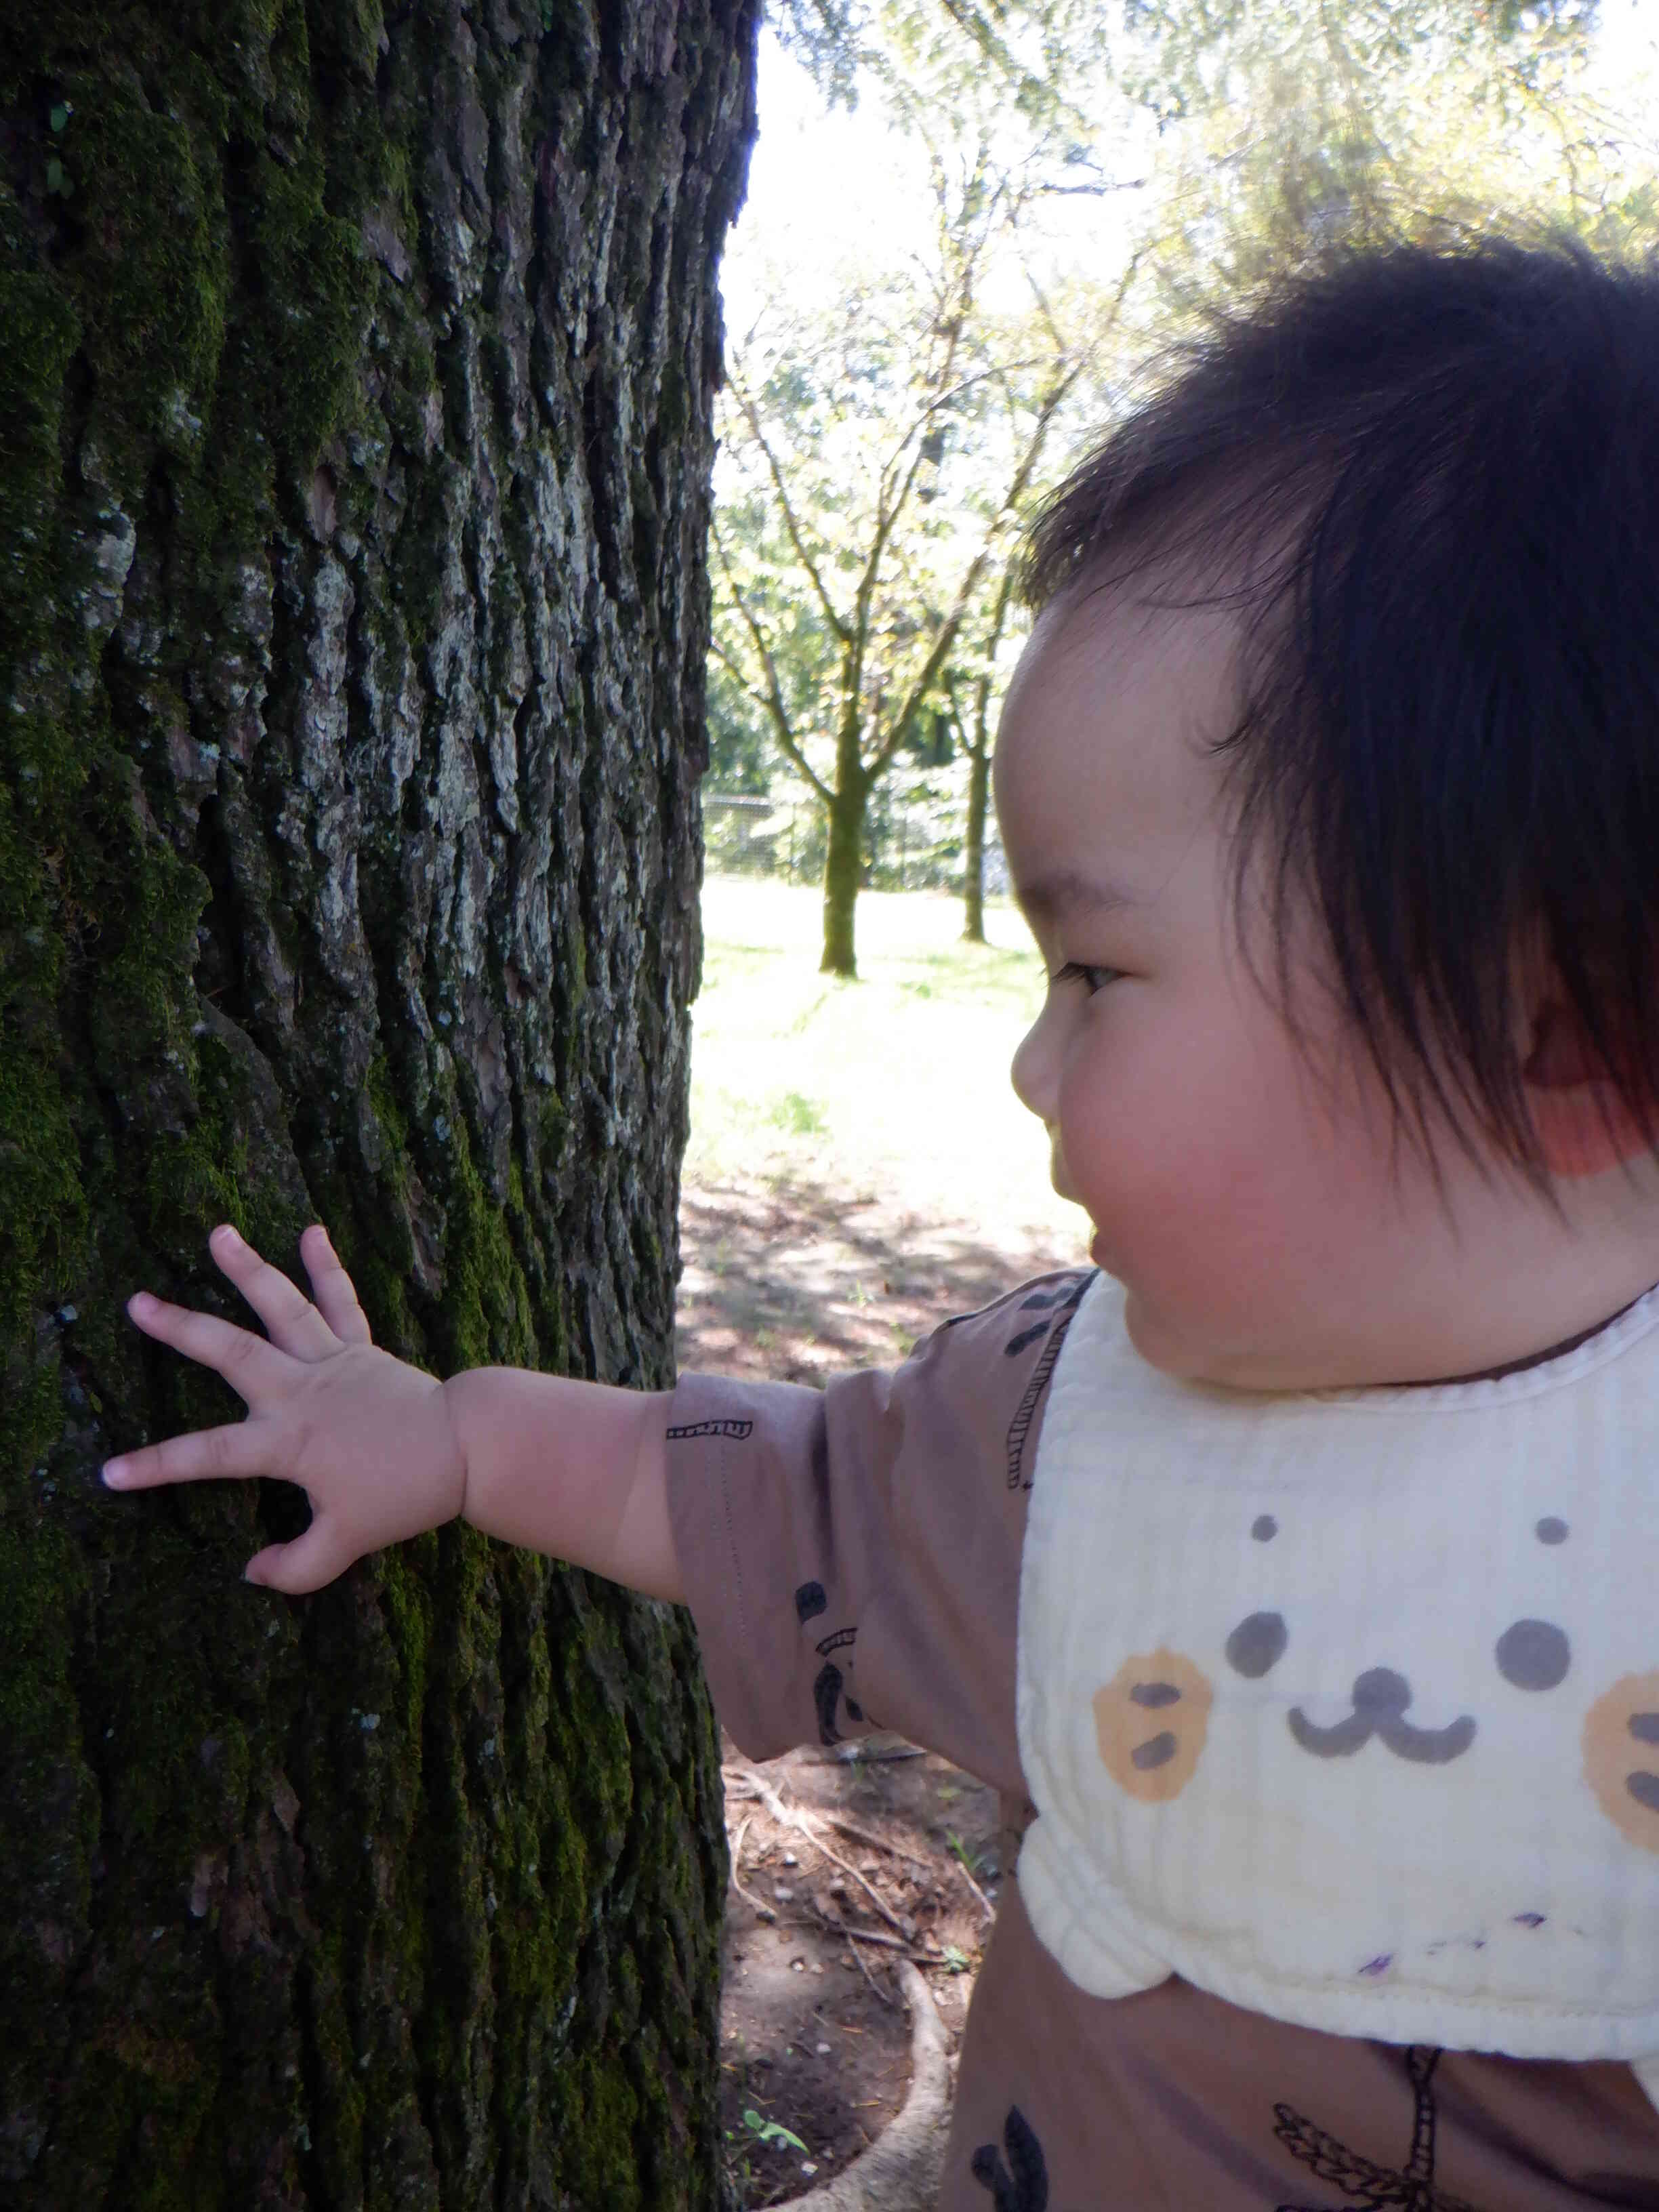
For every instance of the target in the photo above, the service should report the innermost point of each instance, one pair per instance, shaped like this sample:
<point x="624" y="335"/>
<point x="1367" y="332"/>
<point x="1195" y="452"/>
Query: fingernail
<point x="226" y="1229"/>
<point x="140" y="1302"/>
<point x="115" y="1473"/>
<point x="248" y="1576"/>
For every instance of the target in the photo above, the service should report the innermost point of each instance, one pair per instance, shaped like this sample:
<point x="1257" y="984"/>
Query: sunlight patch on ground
<point x="894" y="1087"/>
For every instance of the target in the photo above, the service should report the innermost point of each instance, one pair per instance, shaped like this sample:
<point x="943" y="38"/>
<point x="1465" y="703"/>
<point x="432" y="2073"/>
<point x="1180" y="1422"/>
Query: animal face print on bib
<point x="1345" y="1706"/>
<point x="1621" y="1756"/>
<point x="1152" y="1718"/>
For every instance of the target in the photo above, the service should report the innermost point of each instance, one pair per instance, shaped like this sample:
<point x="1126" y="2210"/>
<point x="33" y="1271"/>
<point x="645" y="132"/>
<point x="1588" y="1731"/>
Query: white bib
<point x="1345" y="1706"/>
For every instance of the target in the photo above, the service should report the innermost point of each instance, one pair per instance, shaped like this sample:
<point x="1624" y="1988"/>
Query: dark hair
<point x="1431" y="482"/>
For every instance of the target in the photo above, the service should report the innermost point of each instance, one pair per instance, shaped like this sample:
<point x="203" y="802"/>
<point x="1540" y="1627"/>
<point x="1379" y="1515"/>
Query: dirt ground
<point x="899" y="1850"/>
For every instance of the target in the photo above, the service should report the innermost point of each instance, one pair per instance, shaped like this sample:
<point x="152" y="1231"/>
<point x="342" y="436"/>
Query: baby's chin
<point x="1160" y="1345"/>
<point x="1188" y="1355"/>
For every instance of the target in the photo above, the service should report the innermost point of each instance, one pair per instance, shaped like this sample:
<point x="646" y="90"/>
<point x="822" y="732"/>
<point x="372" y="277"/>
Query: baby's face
<point x="1247" y="1196"/>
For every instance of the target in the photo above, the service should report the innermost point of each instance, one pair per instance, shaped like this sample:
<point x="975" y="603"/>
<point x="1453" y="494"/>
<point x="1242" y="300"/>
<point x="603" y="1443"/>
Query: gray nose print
<point x="1257" y="1643"/>
<point x="1380" y="1701"/>
<point x="1534" y="1654"/>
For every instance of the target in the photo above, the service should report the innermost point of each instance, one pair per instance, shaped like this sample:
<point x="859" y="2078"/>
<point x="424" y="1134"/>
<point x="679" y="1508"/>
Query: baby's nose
<point x="1034" y="1071"/>
<point x="1382" y="1693"/>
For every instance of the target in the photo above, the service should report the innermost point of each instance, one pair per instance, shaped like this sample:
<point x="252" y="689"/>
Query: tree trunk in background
<point x="843" y="858"/>
<point x="843" y="874"/>
<point x="973" y="854"/>
<point x="354" y="450"/>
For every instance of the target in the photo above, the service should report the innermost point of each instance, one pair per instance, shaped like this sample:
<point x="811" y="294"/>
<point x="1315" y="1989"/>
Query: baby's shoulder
<point x="1020" y="1317"/>
<point x="988" y="1372"/>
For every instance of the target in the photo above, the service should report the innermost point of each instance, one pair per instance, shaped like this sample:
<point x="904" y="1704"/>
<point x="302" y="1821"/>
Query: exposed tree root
<point x="903" y="2170"/>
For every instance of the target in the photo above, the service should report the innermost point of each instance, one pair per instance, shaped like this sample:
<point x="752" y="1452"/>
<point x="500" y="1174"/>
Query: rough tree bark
<point x="355" y="364"/>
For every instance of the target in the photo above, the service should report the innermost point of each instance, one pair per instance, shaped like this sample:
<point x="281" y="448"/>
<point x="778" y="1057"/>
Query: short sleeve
<point x="851" y="1556"/>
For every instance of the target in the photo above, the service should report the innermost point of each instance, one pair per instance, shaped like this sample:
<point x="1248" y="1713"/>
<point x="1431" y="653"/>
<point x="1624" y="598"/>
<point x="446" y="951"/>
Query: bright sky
<point x="822" y="187"/>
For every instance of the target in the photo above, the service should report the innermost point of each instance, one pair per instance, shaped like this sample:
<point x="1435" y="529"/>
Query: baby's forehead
<point x="1107" y="730"/>
<point x="1126" y="659"/>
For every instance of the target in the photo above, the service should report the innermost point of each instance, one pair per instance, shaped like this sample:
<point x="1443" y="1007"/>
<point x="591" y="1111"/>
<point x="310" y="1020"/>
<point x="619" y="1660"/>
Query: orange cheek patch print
<point x="1621" y="1756"/>
<point x="1151" y="1720"/>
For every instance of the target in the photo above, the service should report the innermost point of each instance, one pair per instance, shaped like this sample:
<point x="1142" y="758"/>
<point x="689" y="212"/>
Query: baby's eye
<point x="1079" y="971"/>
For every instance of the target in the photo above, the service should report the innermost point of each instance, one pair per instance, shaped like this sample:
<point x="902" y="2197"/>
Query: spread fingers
<point x="251" y="1366"/>
<point x="290" y="1319"/>
<point x="332" y="1288"/>
<point x="204" y="1455"/>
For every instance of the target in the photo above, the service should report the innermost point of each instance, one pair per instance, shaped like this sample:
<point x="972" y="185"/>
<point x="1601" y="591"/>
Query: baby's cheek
<point x="1150" y="1721"/>
<point x="1621" y="1756"/>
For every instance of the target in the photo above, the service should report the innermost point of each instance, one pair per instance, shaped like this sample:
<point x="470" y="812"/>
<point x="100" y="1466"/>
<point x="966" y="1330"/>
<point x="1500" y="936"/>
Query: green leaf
<point x="58" y="177"/>
<point x="60" y="114"/>
<point x="769" y="2130"/>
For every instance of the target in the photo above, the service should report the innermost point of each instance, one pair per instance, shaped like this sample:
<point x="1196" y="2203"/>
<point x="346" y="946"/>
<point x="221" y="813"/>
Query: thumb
<point x="302" y="1566"/>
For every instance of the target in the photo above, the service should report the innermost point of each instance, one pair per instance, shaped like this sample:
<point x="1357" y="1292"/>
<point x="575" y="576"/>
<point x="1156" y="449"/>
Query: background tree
<point x="355" y="368"/>
<point x="878" y="456"/>
<point x="969" y="689"/>
<point x="1268" y="137"/>
<point x="1289" y="133"/>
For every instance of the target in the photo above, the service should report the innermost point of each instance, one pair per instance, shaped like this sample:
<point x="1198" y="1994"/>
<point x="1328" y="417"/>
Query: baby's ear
<point x="1584" y="1119"/>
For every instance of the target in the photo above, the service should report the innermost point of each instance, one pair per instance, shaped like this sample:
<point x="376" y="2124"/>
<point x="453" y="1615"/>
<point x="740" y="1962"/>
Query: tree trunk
<point x="354" y="450"/>
<point x="973" y="857"/>
<point x="843" y="859"/>
<point x="843" y="872"/>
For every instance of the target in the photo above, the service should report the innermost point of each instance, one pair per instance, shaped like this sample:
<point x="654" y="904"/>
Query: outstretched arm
<point x="385" y="1451"/>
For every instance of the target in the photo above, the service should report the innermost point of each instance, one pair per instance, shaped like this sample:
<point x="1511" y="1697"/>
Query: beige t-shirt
<point x="852" y="1559"/>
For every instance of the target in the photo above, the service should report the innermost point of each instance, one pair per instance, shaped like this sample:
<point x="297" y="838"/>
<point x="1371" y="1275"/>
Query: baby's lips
<point x="1621" y="1756"/>
<point x="1150" y="1721"/>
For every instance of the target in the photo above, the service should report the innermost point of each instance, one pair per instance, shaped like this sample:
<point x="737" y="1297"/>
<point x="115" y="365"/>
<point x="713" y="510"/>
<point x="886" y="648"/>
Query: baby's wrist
<point x="452" y="1404"/>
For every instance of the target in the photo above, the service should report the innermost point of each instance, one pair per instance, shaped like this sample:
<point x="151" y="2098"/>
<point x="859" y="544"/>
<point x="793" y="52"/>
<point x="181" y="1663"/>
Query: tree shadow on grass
<point x="786" y="1278"/>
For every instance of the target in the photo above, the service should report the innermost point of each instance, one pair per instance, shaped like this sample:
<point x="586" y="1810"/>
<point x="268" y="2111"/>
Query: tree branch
<point x="773" y="700"/>
<point x="925" y="681"/>
<point x="751" y="416"/>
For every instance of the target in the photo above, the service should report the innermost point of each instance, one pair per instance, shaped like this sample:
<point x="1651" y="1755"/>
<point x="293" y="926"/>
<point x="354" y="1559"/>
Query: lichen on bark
<point x="355" y="365"/>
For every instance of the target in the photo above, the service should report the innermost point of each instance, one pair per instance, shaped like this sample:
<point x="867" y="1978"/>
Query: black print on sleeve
<point x="739" y="1429"/>
<point x="829" y="1691"/>
<point x="1022" y="2185"/>
<point x="1064" y="1302"/>
<point x="1367" y="2187"/>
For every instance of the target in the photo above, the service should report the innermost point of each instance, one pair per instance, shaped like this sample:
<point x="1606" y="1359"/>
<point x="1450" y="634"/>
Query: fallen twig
<point x="790" y="1818"/>
<point x="867" y="1836"/>
<point x="876" y="1989"/>
<point x="985" y="1904"/>
<point x="874" y="1936"/>
<point x="762" y="1911"/>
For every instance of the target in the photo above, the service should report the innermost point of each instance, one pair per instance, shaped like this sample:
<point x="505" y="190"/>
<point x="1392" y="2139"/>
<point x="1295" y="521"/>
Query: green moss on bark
<point x="402" y="1895"/>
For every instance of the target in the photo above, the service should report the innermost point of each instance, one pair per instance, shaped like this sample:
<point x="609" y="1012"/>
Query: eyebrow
<point x="1067" y="891"/>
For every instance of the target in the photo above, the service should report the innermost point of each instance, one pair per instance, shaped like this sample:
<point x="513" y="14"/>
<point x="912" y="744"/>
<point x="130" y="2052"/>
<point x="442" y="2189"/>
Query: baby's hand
<point x="368" y="1437"/>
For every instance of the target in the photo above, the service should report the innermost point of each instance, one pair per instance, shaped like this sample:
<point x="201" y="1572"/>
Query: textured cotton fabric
<point x="852" y="1559"/>
<point x="1345" y="1704"/>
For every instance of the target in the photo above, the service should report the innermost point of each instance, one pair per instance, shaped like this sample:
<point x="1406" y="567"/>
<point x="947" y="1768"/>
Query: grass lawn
<point x="894" y="1087"/>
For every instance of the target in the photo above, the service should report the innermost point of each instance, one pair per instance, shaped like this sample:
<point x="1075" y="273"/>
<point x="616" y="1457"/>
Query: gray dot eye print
<point x="1533" y="1655"/>
<point x="1552" y="1530"/>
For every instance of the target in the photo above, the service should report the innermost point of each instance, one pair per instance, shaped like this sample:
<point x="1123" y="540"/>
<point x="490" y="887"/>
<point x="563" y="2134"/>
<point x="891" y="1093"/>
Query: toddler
<point x="1293" y="1572"/>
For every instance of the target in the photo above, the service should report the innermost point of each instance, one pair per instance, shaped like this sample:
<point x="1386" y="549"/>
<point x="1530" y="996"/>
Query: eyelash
<point x="1079" y="971"/>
